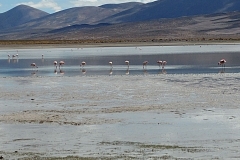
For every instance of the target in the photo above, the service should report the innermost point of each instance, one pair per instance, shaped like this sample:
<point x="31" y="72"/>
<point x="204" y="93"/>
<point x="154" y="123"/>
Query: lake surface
<point x="195" y="59"/>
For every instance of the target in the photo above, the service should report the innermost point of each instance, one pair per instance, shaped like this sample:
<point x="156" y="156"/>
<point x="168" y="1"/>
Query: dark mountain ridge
<point x="73" y="16"/>
<point x="173" y="9"/>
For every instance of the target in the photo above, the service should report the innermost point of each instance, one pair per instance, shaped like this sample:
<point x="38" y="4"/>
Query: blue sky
<point x="52" y="6"/>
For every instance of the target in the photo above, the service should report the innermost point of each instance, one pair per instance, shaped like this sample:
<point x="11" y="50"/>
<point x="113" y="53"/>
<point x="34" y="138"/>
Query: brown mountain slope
<point x="225" y="26"/>
<point x="77" y="15"/>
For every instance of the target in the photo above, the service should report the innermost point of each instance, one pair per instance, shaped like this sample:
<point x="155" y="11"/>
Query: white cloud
<point x="44" y="4"/>
<point x="78" y="3"/>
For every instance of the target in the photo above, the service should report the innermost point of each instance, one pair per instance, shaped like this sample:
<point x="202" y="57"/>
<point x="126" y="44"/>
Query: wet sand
<point x="121" y="117"/>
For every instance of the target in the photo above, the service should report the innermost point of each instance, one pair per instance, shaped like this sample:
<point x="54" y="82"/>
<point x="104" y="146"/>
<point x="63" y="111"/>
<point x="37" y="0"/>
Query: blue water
<point x="195" y="59"/>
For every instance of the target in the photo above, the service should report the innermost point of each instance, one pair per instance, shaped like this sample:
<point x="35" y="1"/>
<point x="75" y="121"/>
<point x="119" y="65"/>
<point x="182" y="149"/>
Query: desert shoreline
<point x="42" y="45"/>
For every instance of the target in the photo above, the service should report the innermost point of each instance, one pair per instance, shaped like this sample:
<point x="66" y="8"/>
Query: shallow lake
<point x="180" y="60"/>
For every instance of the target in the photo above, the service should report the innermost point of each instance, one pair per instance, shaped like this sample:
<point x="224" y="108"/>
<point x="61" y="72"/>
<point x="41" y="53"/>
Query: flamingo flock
<point x="160" y="63"/>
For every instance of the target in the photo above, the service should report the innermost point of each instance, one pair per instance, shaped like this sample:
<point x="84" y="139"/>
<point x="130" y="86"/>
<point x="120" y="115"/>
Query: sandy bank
<point x="22" y="45"/>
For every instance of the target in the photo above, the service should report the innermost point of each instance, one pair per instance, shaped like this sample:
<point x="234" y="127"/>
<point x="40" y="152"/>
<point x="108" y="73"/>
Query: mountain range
<point x="125" y="20"/>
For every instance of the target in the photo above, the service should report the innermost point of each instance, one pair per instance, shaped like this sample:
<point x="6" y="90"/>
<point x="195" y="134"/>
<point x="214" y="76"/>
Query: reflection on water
<point x="120" y="60"/>
<point x="34" y="72"/>
<point x="84" y="71"/>
<point x="127" y="71"/>
<point x="111" y="71"/>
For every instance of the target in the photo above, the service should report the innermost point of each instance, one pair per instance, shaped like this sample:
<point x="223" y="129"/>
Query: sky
<point x="51" y="6"/>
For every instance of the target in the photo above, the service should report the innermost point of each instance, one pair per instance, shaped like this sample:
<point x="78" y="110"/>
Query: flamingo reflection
<point x="127" y="72"/>
<point x="145" y="72"/>
<point x="61" y="71"/>
<point x="163" y="71"/>
<point x="9" y="59"/>
<point x="111" y="71"/>
<point x="34" y="72"/>
<point x="84" y="71"/>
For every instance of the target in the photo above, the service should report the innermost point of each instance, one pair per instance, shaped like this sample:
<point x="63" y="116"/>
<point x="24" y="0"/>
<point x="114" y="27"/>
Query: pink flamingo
<point x="111" y="63"/>
<point x="127" y="63"/>
<point x="83" y="63"/>
<point x="164" y="63"/>
<point x="222" y="62"/>
<point x="55" y="63"/>
<point x="145" y="64"/>
<point x="159" y="62"/>
<point x="33" y="65"/>
<point x="13" y="56"/>
<point x="61" y="63"/>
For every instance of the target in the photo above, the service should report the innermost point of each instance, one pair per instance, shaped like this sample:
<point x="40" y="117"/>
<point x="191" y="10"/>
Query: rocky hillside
<point x="159" y="20"/>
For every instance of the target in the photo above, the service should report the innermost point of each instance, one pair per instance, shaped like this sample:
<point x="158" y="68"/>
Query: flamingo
<point x="13" y="56"/>
<point x="164" y="63"/>
<point x="61" y="63"/>
<point x="55" y="63"/>
<point x="127" y="63"/>
<point x="110" y="63"/>
<point x="222" y="62"/>
<point x="8" y="56"/>
<point x="83" y="63"/>
<point x="33" y="65"/>
<point x="145" y="64"/>
<point x="159" y="63"/>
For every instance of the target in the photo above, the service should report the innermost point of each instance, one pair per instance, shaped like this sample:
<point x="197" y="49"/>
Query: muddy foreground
<point x="120" y="117"/>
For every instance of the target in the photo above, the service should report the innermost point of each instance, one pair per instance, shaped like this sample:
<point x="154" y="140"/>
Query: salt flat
<point x="121" y="116"/>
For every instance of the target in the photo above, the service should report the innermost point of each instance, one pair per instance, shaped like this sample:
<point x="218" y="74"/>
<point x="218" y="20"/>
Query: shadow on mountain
<point x="77" y="27"/>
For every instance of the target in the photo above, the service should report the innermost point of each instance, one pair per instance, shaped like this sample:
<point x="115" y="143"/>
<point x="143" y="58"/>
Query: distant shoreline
<point x="21" y="44"/>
